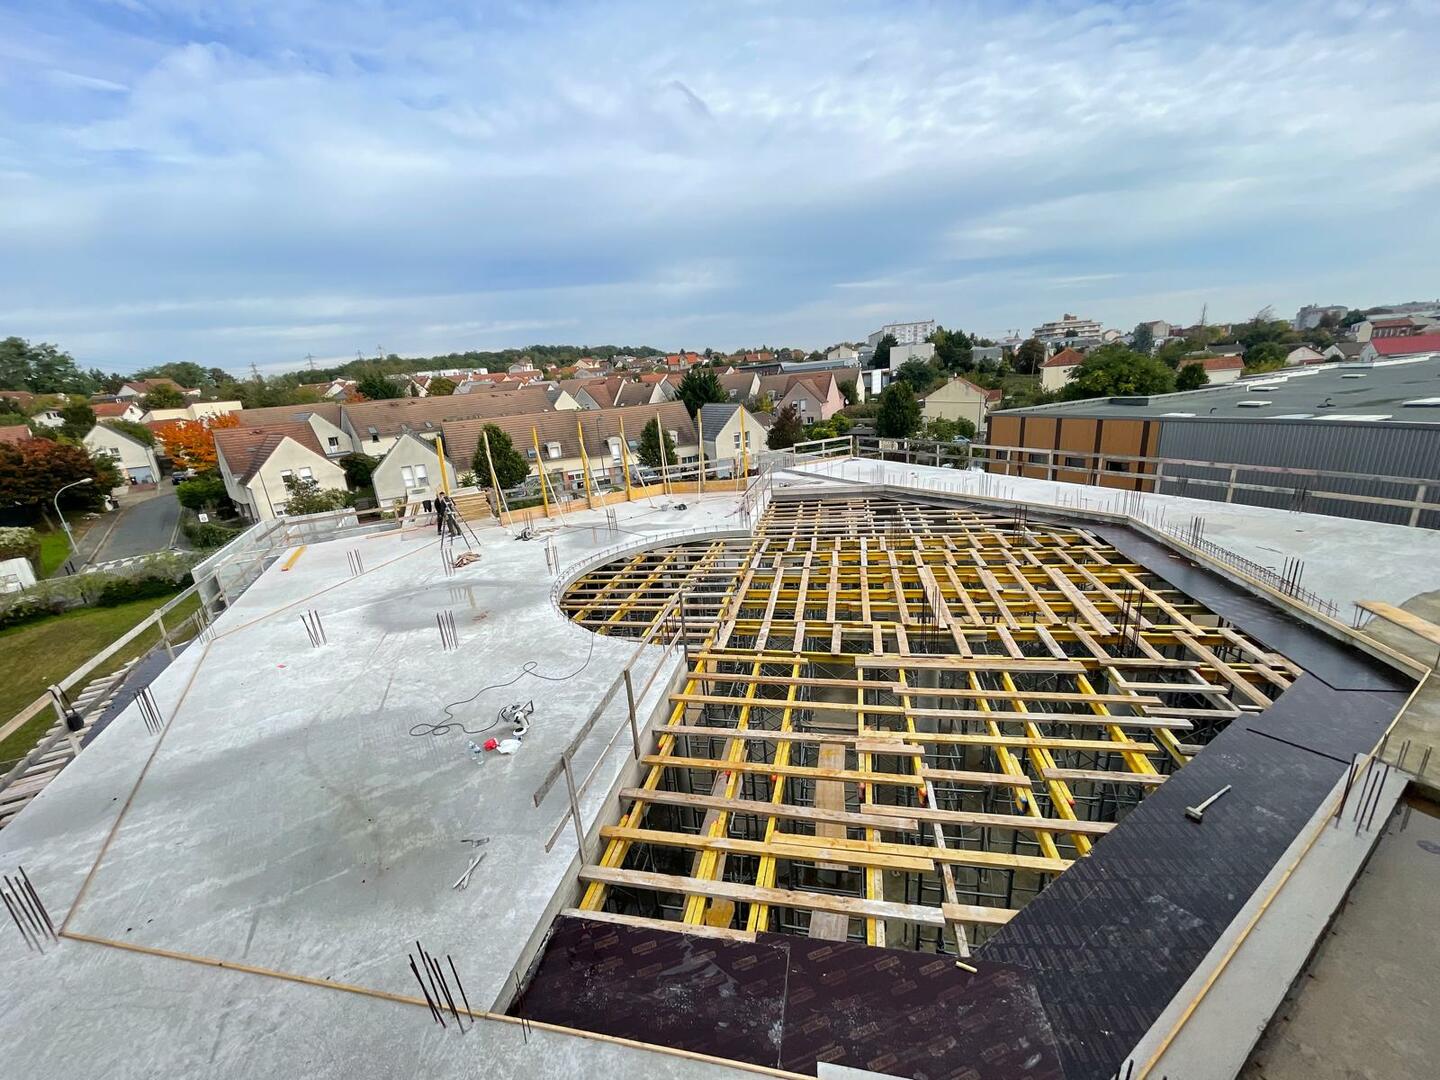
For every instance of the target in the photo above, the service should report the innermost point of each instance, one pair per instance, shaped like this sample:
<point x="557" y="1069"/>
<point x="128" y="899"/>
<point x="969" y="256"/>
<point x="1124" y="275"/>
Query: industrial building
<point x="857" y="765"/>
<point x="1354" y="439"/>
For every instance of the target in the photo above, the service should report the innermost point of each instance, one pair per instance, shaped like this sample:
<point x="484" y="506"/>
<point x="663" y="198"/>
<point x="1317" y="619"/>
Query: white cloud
<point x="236" y="180"/>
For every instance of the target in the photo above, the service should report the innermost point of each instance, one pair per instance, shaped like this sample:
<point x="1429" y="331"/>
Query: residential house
<point x="844" y="354"/>
<point x="730" y="430"/>
<point x="195" y="410"/>
<point x="138" y="388"/>
<point x="373" y="426"/>
<point x="681" y="361"/>
<point x="816" y="397"/>
<point x="15" y="433"/>
<point x="959" y="399"/>
<point x="740" y="385"/>
<point x="1344" y="350"/>
<point x="410" y="472"/>
<point x="324" y="419"/>
<point x="1303" y="354"/>
<point x="1218" y="369"/>
<point x="117" y="410"/>
<point x="135" y="459"/>
<point x="255" y="462"/>
<point x="1056" y="371"/>
<point x="1397" y="348"/>
<point x="559" y="437"/>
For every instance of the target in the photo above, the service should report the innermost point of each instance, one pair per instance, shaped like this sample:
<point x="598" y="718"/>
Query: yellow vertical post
<point x="440" y="457"/>
<point x="700" y="429"/>
<point x="540" y="464"/>
<point x="664" y="463"/>
<point x="584" y="460"/>
<point x="625" y="458"/>
<point x="494" y="482"/>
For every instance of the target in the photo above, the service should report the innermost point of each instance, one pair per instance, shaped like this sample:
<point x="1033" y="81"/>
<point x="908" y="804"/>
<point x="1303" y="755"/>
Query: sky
<point x="251" y="183"/>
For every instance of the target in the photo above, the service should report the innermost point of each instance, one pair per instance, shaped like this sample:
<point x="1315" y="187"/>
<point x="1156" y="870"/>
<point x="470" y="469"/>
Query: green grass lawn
<point x="54" y="547"/>
<point x="34" y="655"/>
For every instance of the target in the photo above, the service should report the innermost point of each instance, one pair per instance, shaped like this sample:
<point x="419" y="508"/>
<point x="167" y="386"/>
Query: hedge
<point x="207" y="535"/>
<point x="155" y="576"/>
<point x="20" y="544"/>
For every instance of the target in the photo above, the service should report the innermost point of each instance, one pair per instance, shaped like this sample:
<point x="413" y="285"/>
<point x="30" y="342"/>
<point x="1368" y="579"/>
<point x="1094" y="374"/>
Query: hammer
<point x="1196" y="813"/>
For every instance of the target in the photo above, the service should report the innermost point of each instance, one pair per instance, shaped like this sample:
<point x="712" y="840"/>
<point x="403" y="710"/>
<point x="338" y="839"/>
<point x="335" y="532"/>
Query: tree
<point x="942" y="430"/>
<point x="1113" y="370"/>
<point x="1265" y="356"/>
<point x="953" y="350"/>
<point x="185" y="372"/>
<point x="358" y="469"/>
<point x="700" y="386"/>
<point x="1143" y="339"/>
<point x="190" y="444"/>
<point x="848" y="391"/>
<point x="205" y="490"/>
<point x="1192" y="376"/>
<point x="919" y="375"/>
<point x="163" y="396"/>
<point x="649" y="449"/>
<point x="136" y="430"/>
<point x="377" y="387"/>
<point x="306" y="496"/>
<point x="33" y="470"/>
<point x="786" y="430"/>
<point x="882" y="351"/>
<point x="899" y="414"/>
<point x="510" y="465"/>
<point x="43" y="368"/>
<point x="1029" y="356"/>
<point x="78" y="419"/>
<point x="441" y="386"/>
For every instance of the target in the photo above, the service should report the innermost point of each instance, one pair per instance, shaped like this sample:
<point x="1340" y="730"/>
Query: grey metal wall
<point x="1355" y="447"/>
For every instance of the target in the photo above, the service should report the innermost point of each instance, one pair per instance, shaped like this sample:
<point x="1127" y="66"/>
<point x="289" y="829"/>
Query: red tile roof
<point x="1066" y="357"/>
<point x="1214" y="363"/>
<point x="1404" y="346"/>
<point x="247" y="449"/>
<point x="107" y="409"/>
<point x="14" y="433"/>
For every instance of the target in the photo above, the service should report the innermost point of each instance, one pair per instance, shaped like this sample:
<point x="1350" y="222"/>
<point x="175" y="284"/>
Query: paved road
<point x="139" y="528"/>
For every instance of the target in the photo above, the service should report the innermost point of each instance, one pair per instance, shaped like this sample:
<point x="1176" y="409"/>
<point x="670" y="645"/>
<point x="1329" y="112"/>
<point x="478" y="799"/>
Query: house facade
<point x="958" y="399"/>
<point x="730" y="430"/>
<point x="410" y="471"/>
<point x="135" y="460"/>
<point x="1055" y="372"/>
<point x="255" y="462"/>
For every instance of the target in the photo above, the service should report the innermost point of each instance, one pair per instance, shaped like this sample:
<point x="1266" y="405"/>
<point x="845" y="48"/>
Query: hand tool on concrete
<point x="1196" y="813"/>
<point x="465" y="877"/>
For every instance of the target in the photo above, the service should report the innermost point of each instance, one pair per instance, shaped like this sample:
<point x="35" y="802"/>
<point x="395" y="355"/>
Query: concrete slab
<point x="302" y="814"/>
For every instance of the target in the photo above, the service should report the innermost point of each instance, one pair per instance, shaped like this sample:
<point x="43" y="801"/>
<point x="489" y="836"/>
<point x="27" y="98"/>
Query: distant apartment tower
<point x="1309" y="316"/>
<point x="905" y="333"/>
<point x="1068" y="330"/>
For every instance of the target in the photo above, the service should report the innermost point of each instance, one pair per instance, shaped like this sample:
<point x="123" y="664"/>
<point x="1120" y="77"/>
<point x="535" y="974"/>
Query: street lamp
<point x="63" y="523"/>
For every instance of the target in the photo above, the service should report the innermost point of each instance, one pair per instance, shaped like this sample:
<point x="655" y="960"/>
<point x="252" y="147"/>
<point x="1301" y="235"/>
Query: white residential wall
<point x="136" y="460"/>
<point x="899" y="354"/>
<point x="955" y="400"/>
<point x="1055" y="378"/>
<point x="721" y="446"/>
<point x="267" y="487"/>
<point x="389" y="476"/>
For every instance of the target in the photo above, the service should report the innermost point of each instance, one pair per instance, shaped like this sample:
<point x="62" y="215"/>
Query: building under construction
<point x="865" y="767"/>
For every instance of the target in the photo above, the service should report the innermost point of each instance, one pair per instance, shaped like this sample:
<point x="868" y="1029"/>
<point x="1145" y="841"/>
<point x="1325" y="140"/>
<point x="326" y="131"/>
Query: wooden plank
<point x="1081" y="603"/>
<point x="853" y="776"/>
<point x="905" y="743"/>
<point x="851" y="906"/>
<point x="971" y="913"/>
<point x="777" y="847"/>
<point x="980" y="663"/>
<point x="993" y="821"/>
<point x="982" y="778"/>
<point x="1229" y="674"/>
<point x="1422" y="628"/>
<point x="725" y="933"/>
<point x="838" y="816"/>
<point x="1104" y="776"/>
<point x="993" y="859"/>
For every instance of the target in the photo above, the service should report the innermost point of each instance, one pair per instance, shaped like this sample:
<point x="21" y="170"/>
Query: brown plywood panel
<point x="1077" y="434"/>
<point x="1040" y="434"/>
<point x="1120" y="437"/>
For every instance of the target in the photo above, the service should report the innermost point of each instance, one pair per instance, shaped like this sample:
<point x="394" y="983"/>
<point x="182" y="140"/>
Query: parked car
<point x="179" y="476"/>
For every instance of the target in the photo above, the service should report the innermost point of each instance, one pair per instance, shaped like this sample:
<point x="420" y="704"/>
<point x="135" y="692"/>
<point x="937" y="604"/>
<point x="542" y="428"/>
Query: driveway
<point x="145" y="523"/>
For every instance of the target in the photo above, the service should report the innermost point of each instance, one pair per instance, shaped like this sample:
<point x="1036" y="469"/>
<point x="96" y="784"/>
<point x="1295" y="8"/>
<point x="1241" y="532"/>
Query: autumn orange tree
<point x="191" y="443"/>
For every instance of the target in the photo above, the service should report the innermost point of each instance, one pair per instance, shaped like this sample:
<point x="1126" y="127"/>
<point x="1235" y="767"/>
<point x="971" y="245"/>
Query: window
<point x="614" y="449"/>
<point x="422" y="478"/>
<point x="374" y="433"/>
<point x="553" y="449"/>
<point x="530" y="452"/>
<point x="285" y="474"/>
<point x="737" y="440"/>
<point x="1072" y="462"/>
<point x="1037" y="459"/>
<point x="334" y="443"/>
<point x="675" y="436"/>
<point x="1117" y="466"/>
<point x="407" y="476"/>
<point x="306" y="474"/>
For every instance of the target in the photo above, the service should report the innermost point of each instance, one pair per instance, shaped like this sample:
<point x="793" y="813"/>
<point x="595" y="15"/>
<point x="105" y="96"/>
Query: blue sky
<point x="251" y="182"/>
